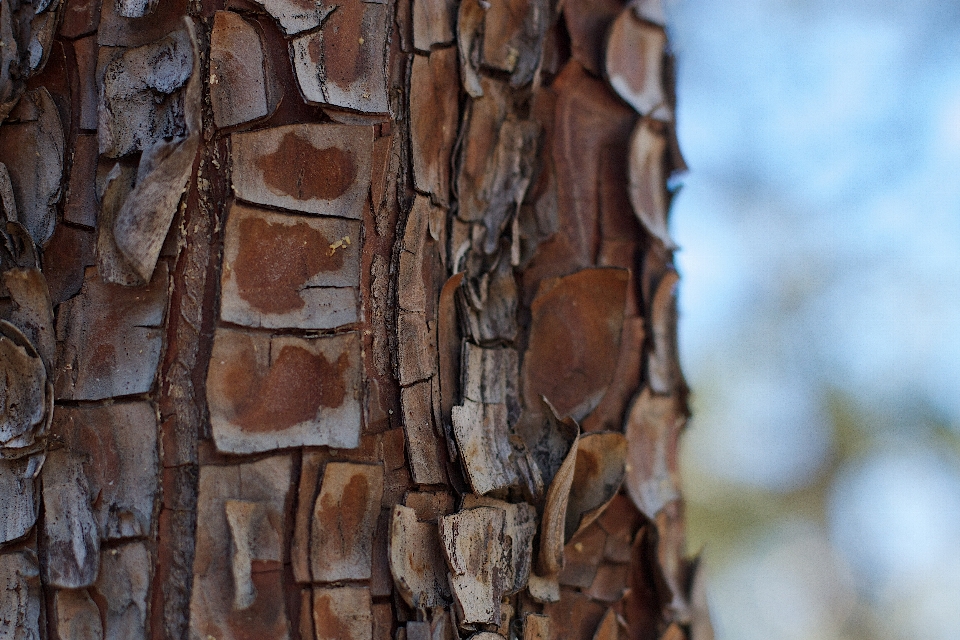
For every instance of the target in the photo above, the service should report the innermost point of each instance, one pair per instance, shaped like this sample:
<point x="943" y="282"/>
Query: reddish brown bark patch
<point x="297" y="384"/>
<point x="575" y="339"/>
<point x="275" y="260"/>
<point x="299" y="169"/>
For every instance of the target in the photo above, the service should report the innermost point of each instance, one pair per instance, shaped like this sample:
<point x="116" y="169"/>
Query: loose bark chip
<point x="634" y="64"/>
<point x="109" y="338"/>
<point x="416" y="562"/>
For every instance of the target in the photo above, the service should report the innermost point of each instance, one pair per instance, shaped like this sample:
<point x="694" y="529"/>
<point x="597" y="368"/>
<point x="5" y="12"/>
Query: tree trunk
<point x="347" y="320"/>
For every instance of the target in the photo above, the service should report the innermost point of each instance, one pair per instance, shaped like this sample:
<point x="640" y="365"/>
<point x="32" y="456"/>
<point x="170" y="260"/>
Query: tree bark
<point x="349" y="320"/>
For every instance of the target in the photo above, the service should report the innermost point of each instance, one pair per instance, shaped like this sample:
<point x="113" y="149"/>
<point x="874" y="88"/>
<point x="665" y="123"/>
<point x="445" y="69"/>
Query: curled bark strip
<point x="598" y="475"/>
<point x="553" y="521"/>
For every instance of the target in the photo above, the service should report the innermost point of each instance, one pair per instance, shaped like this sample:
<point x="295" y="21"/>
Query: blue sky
<point x="820" y="235"/>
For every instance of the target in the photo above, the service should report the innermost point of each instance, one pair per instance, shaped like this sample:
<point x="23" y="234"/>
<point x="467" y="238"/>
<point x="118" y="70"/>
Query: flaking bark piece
<point x="296" y="272"/>
<point x="434" y="117"/>
<point x="267" y="393"/>
<point x="598" y="475"/>
<point x="428" y="505"/>
<point x="536" y="627"/>
<point x="239" y="90"/>
<point x="650" y="10"/>
<point x="449" y="347"/>
<point x="140" y="101"/>
<point x="423" y="445"/>
<point x="342" y="613"/>
<point x="648" y="195"/>
<point x="610" y="583"/>
<point x="496" y="162"/>
<point x="7" y="198"/>
<point x="483" y="439"/>
<point x="575" y="616"/>
<point x="653" y="430"/>
<point x="513" y="32"/>
<point x="85" y="50"/>
<point x="117" y="446"/>
<point x="553" y="518"/>
<point x="634" y="64"/>
<point x="77" y="615"/>
<point x="238" y="582"/>
<point x="134" y="8"/>
<point x="322" y="169"/>
<point x="608" y="416"/>
<point x="412" y="283"/>
<point x="519" y="529"/>
<point x="81" y="206"/>
<point x="165" y="167"/>
<point x="20" y="596"/>
<point x="416" y="349"/>
<point x="123" y="586"/>
<point x="433" y="24"/>
<point x="476" y="554"/>
<point x="112" y="265"/>
<point x="610" y="627"/>
<point x="582" y="557"/>
<point x="19" y="496"/>
<point x="470" y="17"/>
<point x="71" y="537"/>
<point x="296" y="16"/>
<point x="489" y="375"/>
<point x="343" y="64"/>
<point x="70" y="252"/>
<point x="24" y="402"/>
<point x="344" y="518"/>
<point x="31" y="310"/>
<point x="109" y="338"/>
<point x="588" y="22"/>
<point x="80" y="18"/>
<point x="663" y="362"/>
<point x="416" y="563"/>
<point x="311" y="470"/>
<point x="116" y="31"/>
<point x="488" y="304"/>
<point x="575" y="339"/>
<point x="32" y="148"/>
<point x="27" y="30"/>
<point x="11" y="82"/>
<point x="621" y="520"/>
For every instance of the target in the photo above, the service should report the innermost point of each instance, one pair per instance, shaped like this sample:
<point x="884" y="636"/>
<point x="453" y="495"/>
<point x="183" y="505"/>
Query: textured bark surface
<point x="349" y="320"/>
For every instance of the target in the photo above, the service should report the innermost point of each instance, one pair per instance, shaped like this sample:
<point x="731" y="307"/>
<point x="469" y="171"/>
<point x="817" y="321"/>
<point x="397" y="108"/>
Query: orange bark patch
<point x="299" y="169"/>
<point x="297" y="385"/>
<point x="275" y="260"/>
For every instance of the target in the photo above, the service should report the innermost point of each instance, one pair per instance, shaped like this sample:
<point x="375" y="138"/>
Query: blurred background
<point x="820" y="327"/>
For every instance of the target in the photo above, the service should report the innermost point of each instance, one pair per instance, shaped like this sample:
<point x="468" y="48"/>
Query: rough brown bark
<point x="347" y="320"/>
